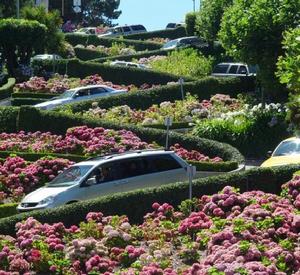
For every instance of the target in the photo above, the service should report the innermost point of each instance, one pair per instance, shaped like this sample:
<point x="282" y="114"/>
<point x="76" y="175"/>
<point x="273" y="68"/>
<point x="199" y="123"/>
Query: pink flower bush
<point x="19" y="177"/>
<point x="257" y="234"/>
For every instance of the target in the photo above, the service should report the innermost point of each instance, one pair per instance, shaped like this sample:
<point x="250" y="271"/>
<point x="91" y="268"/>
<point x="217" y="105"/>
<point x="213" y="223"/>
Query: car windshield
<point x="170" y="44"/>
<point x="291" y="147"/>
<point x="66" y="94"/>
<point x="70" y="176"/>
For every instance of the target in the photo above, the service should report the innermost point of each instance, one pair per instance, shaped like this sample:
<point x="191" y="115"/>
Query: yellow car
<point x="287" y="152"/>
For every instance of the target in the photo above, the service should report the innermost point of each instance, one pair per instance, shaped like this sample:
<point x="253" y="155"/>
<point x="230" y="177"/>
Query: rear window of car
<point x="220" y="69"/>
<point x="138" y="28"/>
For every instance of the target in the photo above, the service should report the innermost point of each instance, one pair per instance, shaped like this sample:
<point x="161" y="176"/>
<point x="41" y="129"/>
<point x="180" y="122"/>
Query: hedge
<point x="88" y="39"/>
<point x="7" y="89"/>
<point x="8" y="209"/>
<point x="265" y="179"/>
<point x="138" y="55"/>
<point x="88" y="54"/>
<point x="19" y="101"/>
<point x="8" y="119"/>
<point x="167" y="33"/>
<point x="33" y="95"/>
<point x="115" y="74"/>
<point x="203" y="89"/>
<point x="51" y="121"/>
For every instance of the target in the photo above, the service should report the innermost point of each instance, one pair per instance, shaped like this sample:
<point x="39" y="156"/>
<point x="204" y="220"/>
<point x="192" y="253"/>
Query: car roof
<point x="120" y="156"/>
<point x="90" y="87"/>
<point x="292" y="138"/>
<point x="231" y="63"/>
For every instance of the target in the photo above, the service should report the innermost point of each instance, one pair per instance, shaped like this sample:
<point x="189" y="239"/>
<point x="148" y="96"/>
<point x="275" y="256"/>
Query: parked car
<point x="89" y="30"/>
<point x="174" y="25"/>
<point x="124" y="30"/>
<point x="46" y="57"/>
<point x="108" y="175"/>
<point x="287" y="152"/>
<point x="234" y="69"/>
<point x="128" y="64"/>
<point x="184" y="42"/>
<point x="79" y="94"/>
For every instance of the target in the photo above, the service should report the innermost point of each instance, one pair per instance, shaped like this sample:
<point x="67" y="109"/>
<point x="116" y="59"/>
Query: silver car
<point x="108" y="175"/>
<point x="80" y="94"/>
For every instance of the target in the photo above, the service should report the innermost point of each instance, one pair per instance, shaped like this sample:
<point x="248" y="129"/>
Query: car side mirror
<point x="269" y="154"/>
<point x="91" y="181"/>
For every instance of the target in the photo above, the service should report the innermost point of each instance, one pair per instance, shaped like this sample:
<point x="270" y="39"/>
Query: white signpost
<point x="181" y="81"/>
<point x="191" y="173"/>
<point x="168" y="123"/>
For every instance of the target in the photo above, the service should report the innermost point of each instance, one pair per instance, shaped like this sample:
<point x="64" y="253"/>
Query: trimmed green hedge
<point x="19" y="101"/>
<point x="8" y="119"/>
<point x="7" y="89"/>
<point x="89" y="39"/>
<point x="131" y="56"/>
<point x="45" y="121"/>
<point x="33" y="95"/>
<point x="8" y="209"/>
<point x="267" y="180"/>
<point x="203" y="89"/>
<point x="88" y="54"/>
<point x="206" y="166"/>
<point x="167" y="33"/>
<point x="115" y="74"/>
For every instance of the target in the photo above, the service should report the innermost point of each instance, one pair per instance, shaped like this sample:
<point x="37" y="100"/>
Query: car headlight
<point x="47" y="201"/>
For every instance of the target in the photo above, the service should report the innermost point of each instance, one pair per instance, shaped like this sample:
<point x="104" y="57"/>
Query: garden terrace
<point x="264" y="179"/>
<point x="86" y="39"/>
<point x="7" y="88"/>
<point x="115" y="74"/>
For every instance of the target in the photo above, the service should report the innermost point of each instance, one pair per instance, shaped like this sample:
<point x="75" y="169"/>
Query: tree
<point x="18" y="40"/>
<point x="252" y="31"/>
<point x="209" y="18"/>
<point x="289" y="64"/>
<point x="54" y="38"/>
<point x="8" y="8"/>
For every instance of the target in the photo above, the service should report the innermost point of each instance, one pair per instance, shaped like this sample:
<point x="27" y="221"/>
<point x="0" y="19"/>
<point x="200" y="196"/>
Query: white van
<point x="123" y="30"/>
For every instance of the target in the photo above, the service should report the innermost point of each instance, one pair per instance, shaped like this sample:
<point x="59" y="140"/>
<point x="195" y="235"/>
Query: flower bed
<point x="19" y="177"/>
<point x="182" y="111"/>
<point x="59" y="84"/>
<point x="227" y="233"/>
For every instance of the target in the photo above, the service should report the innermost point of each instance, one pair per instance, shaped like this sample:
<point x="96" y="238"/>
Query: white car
<point x="88" y="30"/>
<point x="184" y="42"/>
<point x="80" y="94"/>
<point x="123" y="30"/>
<point x="234" y="69"/>
<point x="107" y="175"/>
<point x="128" y="64"/>
<point x="46" y="57"/>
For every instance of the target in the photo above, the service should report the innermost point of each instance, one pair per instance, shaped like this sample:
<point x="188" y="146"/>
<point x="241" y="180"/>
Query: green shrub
<point x="45" y="121"/>
<point x="7" y="210"/>
<point x="7" y="89"/>
<point x="190" y="21"/>
<point x="251" y="135"/>
<point x="8" y="119"/>
<point x="19" y="101"/>
<point x="115" y="74"/>
<point x="88" y="54"/>
<point x="185" y="63"/>
<point x="203" y="89"/>
<point x="33" y="95"/>
<point x="167" y="33"/>
<point x="86" y="39"/>
<point x="265" y="179"/>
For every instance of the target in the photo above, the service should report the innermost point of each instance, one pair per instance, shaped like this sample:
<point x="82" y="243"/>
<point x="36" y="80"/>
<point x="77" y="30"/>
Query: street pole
<point x="18" y="9"/>
<point x="62" y="8"/>
<point x="194" y="5"/>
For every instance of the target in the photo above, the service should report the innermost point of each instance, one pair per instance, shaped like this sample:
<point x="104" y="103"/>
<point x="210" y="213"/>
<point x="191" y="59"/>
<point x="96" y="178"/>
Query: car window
<point x="288" y="148"/>
<point x="96" y="91"/>
<point x="84" y="92"/>
<point x="170" y="44"/>
<point x="138" y="28"/>
<point x="171" y="25"/>
<point x="160" y="163"/>
<point x="132" y="65"/>
<point x="92" y="31"/>
<point x="126" y="29"/>
<point x="220" y="69"/>
<point x="117" y="30"/>
<point x="242" y="70"/>
<point x="233" y="69"/>
<point x="106" y="172"/>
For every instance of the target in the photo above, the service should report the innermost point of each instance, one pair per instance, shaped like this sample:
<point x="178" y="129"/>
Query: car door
<point x="81" y="95"/>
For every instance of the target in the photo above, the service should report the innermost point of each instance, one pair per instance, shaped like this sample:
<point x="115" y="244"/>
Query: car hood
<point x="43" y="193"/>
<point x="281" y="160"/>
<point x="53" y="102"/>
